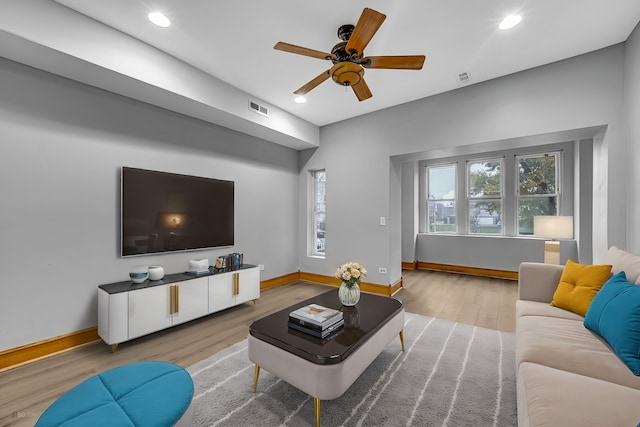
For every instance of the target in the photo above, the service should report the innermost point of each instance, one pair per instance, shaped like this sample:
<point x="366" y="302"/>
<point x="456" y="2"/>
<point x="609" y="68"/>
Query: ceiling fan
<point x="348" y="56"/>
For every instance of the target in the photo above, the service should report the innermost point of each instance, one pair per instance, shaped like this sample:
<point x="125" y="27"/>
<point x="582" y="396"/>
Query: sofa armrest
<point x="537" y="281"/>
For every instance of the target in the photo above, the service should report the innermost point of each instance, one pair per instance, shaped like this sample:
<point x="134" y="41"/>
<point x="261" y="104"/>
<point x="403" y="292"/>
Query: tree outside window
<point x="537" y="188"/>
<point x="484" y="182"/>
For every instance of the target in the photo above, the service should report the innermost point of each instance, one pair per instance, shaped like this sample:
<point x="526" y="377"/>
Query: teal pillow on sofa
<point x="614" y="314"/>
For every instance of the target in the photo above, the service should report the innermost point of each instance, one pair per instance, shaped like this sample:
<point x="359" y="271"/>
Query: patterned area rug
<point x="451" y="374"/>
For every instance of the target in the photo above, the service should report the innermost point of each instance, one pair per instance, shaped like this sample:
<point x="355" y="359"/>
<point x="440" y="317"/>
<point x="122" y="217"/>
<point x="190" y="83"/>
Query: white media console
<point x="127" y="310"/>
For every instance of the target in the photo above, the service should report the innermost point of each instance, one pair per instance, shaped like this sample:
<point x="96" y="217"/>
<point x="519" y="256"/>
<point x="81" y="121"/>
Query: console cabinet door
<point x="248" y="287"/>
<point x="221" y="292"/>
<point x="192" y="300"/>
<point x="149" y="310"/>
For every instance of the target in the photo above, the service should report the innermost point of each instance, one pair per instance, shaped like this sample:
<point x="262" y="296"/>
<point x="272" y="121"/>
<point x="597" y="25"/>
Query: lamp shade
<point x="553" y="227"/>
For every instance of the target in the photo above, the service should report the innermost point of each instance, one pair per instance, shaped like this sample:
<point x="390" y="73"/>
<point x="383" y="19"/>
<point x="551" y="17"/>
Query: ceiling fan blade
<point x="312" y="84"/>
<point x="287" y="47"/>
<point x="413" y="62"/>
<point x="365" y="29"/>
<point x="362" y="90"/>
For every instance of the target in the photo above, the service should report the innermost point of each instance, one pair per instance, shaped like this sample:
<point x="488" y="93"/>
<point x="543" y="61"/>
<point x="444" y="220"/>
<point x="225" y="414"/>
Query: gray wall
<point x="584" y="93"/>
<point x="63" y="144"/>
<point x="632" y="110"/>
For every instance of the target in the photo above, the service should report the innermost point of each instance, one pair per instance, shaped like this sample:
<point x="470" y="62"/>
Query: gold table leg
<point x="316" y="405"/>
<point x="113" y="348"/>
<point x="255" y="377"/>
<point x="402" y="339"/>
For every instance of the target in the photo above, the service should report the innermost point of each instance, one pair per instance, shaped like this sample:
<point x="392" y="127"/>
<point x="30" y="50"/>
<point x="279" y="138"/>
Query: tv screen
<point x="167" y="212"/>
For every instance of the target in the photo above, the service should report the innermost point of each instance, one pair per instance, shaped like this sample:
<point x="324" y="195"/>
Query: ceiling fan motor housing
<point x="346" y="73"/>
<point x="345" y="31"/>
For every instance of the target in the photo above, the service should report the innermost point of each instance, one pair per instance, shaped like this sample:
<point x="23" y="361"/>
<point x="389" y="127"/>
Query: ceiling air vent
<point x="260" y="109"/>
<point x="464" y="77"/>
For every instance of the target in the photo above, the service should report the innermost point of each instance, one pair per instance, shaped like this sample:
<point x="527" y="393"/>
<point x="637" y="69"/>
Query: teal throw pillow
<point x="614" y="314"/>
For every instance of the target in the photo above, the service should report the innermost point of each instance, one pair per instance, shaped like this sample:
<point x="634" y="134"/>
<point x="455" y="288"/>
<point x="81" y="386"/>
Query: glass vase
<point x="349" y="295"/>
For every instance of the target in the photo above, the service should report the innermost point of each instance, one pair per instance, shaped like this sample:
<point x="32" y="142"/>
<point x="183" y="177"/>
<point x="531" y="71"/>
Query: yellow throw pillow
<point x="578" y="285"/>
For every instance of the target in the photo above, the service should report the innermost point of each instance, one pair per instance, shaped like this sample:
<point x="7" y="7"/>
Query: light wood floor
<point x="26" y="391"/>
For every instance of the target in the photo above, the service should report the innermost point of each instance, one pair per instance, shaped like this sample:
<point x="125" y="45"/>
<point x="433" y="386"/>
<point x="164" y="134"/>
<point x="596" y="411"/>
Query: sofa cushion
<point x="578" y="285"/>
<point x="615" y="316"/>
<point x="567" y="345"/>
<point x="551" y="397"/>
<point x="535" y="308"/>
<point x="624" y="261"/>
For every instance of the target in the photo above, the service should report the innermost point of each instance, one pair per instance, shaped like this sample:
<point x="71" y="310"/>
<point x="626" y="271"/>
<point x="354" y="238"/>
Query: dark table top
<point x="361" y="322"/>
<point x="128" y="285"/>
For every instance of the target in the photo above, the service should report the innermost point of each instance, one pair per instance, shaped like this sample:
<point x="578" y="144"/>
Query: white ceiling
<point x="233" y="41"/>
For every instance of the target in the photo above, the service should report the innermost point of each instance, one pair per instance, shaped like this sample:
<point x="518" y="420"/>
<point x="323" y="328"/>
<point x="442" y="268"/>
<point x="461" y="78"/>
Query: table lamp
<point x="553" y="227"/>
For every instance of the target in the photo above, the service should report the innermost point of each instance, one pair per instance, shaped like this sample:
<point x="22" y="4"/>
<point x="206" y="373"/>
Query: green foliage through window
<point x="537" y="189"/>
<point x="484" y="180"/>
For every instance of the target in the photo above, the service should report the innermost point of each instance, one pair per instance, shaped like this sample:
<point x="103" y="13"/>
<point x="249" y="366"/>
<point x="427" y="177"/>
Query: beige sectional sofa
<point x="566" y="374"/>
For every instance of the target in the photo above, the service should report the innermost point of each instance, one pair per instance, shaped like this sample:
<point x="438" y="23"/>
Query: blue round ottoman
<point x="139" y="394"/>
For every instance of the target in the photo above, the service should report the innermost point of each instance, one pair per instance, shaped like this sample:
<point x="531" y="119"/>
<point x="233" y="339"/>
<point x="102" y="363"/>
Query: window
<point x="496" y="193"/>
<point x="441" y="209"/>
<point x="537" y="188"/>
<point x="484" y="192"/>
<point x="318" y="227"/>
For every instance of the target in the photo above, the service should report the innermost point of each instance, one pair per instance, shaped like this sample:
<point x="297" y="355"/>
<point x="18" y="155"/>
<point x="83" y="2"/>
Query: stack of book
<point x="316" y="320"/>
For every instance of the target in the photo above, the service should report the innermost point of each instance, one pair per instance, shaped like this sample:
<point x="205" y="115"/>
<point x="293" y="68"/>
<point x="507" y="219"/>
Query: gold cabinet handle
<point x="236" y="283"/>
<point x="170" y="299"/>
<point x="177" y="291"/>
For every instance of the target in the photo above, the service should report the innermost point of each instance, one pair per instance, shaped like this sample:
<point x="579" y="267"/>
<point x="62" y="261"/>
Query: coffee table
<point x="325" y="368"/>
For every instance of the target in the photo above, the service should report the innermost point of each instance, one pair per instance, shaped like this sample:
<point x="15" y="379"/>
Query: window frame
<point x="315" y="211"/>
<point x="454" y="200"/>
<point x="469" y="198"/>
<point x="558" y="181"/>
<point x="566" y="177"/>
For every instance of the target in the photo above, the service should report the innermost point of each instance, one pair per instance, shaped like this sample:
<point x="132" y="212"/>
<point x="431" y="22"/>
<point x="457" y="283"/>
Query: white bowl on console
<point x="139" y="274"/>
<point x="156" y="272"/>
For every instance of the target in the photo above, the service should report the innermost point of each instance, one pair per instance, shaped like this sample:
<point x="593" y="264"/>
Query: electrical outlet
<point x="382" y="270"/>
<point x="261" y="267"/>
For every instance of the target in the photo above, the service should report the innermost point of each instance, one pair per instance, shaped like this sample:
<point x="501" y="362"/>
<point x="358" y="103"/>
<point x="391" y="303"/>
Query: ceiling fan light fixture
<point x="346" y="73"/>
<point x="510" y="22"/>
<point x="159" y="19"/>
<point x="300" y="99"/>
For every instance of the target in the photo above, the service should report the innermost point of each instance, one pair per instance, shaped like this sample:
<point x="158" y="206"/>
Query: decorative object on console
<point x="139" y="274"/>
<point x="553" y="227"/>
<point x="351" y="273"/>
<point x="221" y="262"/>
<point x="156" y="272"/>
<point x="199" y="265"/>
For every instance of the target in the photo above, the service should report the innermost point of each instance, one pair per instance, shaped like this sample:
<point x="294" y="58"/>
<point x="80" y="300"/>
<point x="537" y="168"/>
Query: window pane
<point x="485" y="216"/>
<point x="442" y="182"/>
<point x="441" y="204"/>
<point x="442" y="217"/>
<point x="320" y="233"/>
<point x="528" y="207"/>
<point x="537" y="175"/>
<point x="319" y="204"/>
<point x="485" y="179"/>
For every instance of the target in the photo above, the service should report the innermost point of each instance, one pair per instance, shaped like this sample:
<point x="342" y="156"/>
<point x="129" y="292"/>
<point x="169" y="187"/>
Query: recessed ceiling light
<point x="510" y="22"/>
<point x="300" y="99"/>
<point x="159" y="19"/>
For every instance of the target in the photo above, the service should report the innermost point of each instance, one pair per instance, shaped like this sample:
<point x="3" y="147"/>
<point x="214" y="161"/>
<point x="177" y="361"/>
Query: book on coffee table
<point x="314" y="326"/>
<point x="315" y="316"/>
<point x="316" y="333"/>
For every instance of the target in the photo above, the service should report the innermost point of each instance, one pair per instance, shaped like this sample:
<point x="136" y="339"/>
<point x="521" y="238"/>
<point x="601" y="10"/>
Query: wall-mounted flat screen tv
<point x="167" y="212"/>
